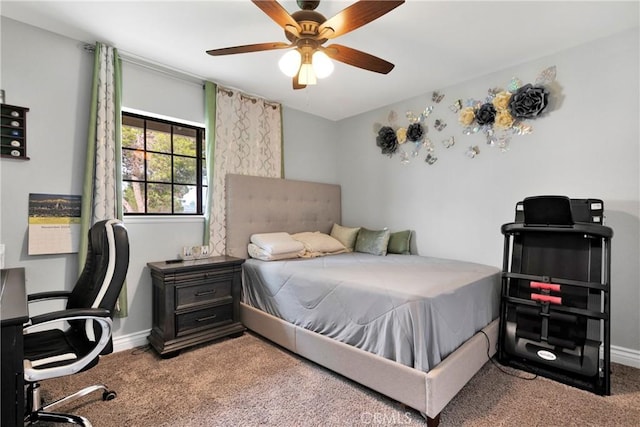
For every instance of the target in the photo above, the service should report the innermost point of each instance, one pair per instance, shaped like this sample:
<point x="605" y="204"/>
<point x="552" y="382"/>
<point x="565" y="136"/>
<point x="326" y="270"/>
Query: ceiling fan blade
<point x="355" y="16"/>
<point x="249" y="48"/>
<point x="358" y="58"/>
<point x="279" y="14"/>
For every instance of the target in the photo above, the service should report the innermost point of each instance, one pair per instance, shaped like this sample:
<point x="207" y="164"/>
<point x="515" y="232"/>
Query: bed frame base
<point x="428" y="393"/>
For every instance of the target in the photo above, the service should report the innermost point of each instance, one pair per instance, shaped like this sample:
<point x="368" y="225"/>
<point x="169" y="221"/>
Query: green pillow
<point x="372" y="241"/>
<point x="345" y="235"/>
<point x="399" y="243"/>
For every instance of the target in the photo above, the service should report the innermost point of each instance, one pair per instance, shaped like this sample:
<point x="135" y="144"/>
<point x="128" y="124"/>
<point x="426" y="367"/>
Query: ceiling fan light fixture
<point x="307" y="30"/>
<point x="322" y="65"/>
<point x="290" y="63"/>
<point x="307" y="76"/>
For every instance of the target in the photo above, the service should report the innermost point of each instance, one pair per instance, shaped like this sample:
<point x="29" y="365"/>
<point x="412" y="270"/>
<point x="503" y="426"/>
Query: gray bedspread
<point x="411" y="309"/>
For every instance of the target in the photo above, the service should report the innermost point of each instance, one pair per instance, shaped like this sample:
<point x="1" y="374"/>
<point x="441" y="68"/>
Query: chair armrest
<point x="70" y="314"/>
<point x="40" y="296"/>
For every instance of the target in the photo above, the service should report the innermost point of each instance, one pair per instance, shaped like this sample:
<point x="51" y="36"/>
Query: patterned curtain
<point x="102" y="192"/>
<point x="247" y="141"/>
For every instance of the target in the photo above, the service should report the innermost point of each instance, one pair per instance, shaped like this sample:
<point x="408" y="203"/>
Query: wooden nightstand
<point x="194" y="302"/>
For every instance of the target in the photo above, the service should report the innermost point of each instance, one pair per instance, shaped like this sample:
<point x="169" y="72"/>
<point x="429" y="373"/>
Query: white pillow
<point x="259" y="253"/>
<point x="276" y="243"/>
<point x="316" y="243"/>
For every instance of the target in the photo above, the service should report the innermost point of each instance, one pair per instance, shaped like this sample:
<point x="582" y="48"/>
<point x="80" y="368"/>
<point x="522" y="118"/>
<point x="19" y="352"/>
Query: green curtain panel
<point x="102" y="192"/>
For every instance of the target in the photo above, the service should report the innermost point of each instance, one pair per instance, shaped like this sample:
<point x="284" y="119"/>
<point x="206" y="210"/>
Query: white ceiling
<point x="433" y="44"/>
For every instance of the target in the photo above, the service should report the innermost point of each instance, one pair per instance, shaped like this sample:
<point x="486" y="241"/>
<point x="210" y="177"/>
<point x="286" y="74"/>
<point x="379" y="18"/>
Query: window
<point x="163" y="167"/>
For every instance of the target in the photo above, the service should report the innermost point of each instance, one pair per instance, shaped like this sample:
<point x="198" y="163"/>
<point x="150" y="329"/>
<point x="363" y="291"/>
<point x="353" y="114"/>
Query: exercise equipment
<point x="555" y="305"/>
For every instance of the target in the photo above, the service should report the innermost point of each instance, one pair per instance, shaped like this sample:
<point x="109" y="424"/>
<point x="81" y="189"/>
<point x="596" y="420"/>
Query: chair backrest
<point x="105" y="268"/>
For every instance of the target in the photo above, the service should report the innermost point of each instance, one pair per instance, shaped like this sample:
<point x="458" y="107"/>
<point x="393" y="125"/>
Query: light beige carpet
<point x="248" y="381"/>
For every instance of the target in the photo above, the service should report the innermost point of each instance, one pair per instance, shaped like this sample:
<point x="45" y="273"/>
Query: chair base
<point x="40" y="412"/>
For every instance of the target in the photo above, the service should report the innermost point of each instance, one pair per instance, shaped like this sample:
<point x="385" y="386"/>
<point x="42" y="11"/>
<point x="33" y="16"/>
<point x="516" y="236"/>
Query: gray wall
<point x="588" y="147"/>
<point x="57" y="130"/>
<point x="49" y="75"/>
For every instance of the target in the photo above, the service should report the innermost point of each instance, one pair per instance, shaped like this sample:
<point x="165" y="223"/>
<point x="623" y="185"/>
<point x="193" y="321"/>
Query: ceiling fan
<point x="307" y="31"/>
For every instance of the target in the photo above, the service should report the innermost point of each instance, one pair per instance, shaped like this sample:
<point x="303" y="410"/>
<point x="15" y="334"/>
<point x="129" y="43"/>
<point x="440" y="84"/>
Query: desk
<point x="13" y="314"/>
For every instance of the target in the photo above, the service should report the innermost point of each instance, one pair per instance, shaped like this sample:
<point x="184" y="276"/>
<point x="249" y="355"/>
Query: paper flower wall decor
<point x="392" y="138"/>
<point x="503" y="113"/>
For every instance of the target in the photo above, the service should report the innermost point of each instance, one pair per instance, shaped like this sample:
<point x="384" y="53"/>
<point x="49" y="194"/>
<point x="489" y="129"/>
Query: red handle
<point x="546" y="298"/>
<point x="547" y="286"/>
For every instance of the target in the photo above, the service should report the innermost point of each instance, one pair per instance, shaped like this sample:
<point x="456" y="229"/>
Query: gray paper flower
<point x="415" y="132"/>
<point x="486" y="114"/>
<point x="387" y="140"/>
<point x="528" y="102"/>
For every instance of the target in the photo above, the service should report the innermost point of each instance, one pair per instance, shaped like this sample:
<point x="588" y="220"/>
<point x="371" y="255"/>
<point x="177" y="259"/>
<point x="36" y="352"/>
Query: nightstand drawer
<point x="207" y="275"/>
<point x="203" y="319"/>
<point x="204" y="293"/>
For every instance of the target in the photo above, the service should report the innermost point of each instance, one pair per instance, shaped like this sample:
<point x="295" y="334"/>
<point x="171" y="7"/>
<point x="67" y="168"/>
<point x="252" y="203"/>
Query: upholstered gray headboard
<point x="265" y="205"/>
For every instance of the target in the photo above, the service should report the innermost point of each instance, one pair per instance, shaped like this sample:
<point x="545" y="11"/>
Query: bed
<point x="426" y="379"/>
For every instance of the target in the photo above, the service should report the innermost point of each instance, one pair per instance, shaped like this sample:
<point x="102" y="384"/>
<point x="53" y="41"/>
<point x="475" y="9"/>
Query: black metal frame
<point x="577" y="257"/>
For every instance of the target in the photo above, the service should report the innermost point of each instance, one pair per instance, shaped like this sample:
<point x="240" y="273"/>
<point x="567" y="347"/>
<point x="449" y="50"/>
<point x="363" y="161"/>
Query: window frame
<point x="200" y="159"/>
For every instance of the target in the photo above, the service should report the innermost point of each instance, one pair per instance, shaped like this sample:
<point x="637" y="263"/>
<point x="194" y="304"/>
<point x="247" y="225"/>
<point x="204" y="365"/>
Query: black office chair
<point x="86" y="324"/>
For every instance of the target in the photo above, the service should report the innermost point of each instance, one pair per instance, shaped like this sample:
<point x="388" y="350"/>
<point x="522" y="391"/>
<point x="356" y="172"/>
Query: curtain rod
<point x="254" y="99"/>
<point x="175" y="73"/>
<point x="153" y="66"/>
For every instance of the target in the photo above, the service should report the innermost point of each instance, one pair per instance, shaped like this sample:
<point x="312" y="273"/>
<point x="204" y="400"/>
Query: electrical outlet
<point x="194" y="252"/>
<point x="204" y="251"/>
<point x="187" y="252"/>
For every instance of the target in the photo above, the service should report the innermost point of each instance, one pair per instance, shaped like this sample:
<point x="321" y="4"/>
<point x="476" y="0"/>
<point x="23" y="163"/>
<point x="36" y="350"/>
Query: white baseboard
<point x="126" y="342"/>
<point x="621" y="355"/>
<point x="625" y="356"/>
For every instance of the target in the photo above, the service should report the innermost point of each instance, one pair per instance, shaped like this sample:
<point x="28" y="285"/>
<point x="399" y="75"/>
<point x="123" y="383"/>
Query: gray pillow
<point x="372" y="241"/>
<point x="399" y="242"/>
<point x="346" y="235"/>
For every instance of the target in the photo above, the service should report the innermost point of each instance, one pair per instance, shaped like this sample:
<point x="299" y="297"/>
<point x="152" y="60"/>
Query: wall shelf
<point x="13" y="132"/>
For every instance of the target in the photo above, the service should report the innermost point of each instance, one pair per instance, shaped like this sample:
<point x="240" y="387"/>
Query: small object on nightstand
<point x="194" y="301"/>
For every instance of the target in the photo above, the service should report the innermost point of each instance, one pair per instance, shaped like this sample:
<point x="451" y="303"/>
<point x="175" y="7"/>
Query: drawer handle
<point x="201" y="294"/>
<point x="204" y="319"/>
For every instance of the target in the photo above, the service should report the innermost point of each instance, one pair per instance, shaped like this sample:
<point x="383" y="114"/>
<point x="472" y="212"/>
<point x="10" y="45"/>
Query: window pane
<point x="158" y="137"/>
<point x="133" y="164"/>
<point x="133" y="197"/>
<point x="186" y="199"/>
<point x="159" y="198"/>
<point x="185" y="170"/>
<point x="205" y="178"/>
<point x="184" y="141"/>
<point x="203" y="149"/>
<point x="132" y="133"/>
<point x="158" y="167"/>
<point x="137" y="122"/>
